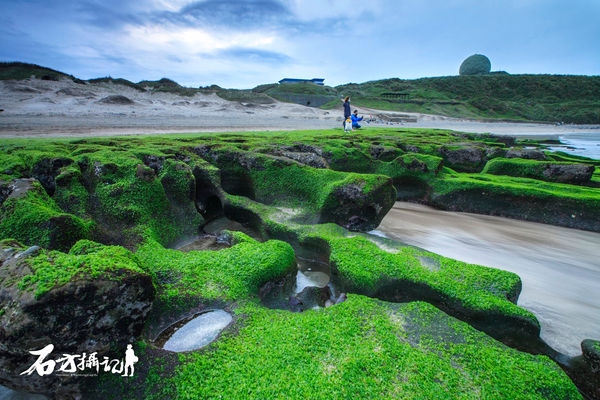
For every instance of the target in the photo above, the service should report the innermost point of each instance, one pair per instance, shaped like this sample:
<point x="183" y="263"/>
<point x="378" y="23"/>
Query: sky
<point x="243" y="43"/>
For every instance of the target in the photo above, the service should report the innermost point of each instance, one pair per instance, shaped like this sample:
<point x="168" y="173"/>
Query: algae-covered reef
<point x="91" y="228"/>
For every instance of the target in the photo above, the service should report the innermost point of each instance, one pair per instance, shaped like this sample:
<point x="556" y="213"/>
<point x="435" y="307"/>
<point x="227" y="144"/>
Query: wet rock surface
<point x="528" y="154"/>
<point x="568" y="173"/>
<point x="356" y="210"/>
<point x="310" y="287"/>
<point x="46" y="170"/>
<point x="468" y="158"/>
<point x="383" y="153"/>
<point x="591" y="354"/>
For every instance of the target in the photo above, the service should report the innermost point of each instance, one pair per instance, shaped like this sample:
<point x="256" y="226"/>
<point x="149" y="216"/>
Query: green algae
<point x="362" y="348"/>
<point x="522" y="168"/>
<point x="85" y="260"/>
<point x="229" y="274"/>
<point x="140" y="192"/>
<point x="35" y="219"/>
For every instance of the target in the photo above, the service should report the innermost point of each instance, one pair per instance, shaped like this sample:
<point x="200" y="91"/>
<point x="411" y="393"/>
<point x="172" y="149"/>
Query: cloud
<point x="253" y="55"/>
<point x="190" y="40"/>
<point x="233" y="14"/>
<point x="107" y="15"/>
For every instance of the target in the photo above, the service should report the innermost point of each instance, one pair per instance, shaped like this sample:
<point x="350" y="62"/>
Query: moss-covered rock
<point x="147" y="192"/>
<point x="528" y="154"/>
<point x="520" y="198"/>
<point x="87" y="300"/>
<point x="466" y="158"/>
<point x="359" y="204"/>
<point x="362" y="348"/>
<point x="355" y="201"/>
<point x="31" y="216"/>
<point x="591" y="354"/>
<point x="546" y="171"/>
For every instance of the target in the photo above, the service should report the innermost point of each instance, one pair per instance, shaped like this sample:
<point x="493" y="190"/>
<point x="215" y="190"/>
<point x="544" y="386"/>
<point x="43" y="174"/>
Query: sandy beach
<point x="38" y="108"/>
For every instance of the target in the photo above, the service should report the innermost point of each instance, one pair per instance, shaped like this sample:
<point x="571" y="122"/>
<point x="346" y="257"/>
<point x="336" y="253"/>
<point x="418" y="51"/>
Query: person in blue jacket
<point x="355" y="119"/>
<point x="346" y="109"/>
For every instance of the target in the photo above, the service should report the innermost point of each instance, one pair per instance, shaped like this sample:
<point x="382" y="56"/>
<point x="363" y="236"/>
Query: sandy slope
<point x="37" y="108"/>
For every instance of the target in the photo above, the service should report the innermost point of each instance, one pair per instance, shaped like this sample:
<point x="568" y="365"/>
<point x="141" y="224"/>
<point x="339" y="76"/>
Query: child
<point x="355" y="120"/>
<point x="348" y="125"/>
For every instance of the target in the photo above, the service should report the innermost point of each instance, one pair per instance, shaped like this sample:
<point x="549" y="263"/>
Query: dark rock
<point x="46" y="171"/>
<point x="467" y="159"/>
<point x="568" y="173"/>
<point x="591" y="354"/>
<point x="529" y="154"/>
<point x="304" y="148"/>
<point x="312" y="297"/>
<point x="205" y="151"/>
<point x="342" y="298"/>
<point x="507" y="140"/>
<point x="352" y="208"/>
<point x="144" y="173"/>
<point x="5" y="191"/>
<point x="225" y="238"/>
<point x="383" y="153"/>
<point x="294" y="301"/>
<point x="494" y="152"/>
<point x="153" y="162"/>
<point x="310" y="159"/>
<point x="86" y="314"/>
<point x="414" y="165"/>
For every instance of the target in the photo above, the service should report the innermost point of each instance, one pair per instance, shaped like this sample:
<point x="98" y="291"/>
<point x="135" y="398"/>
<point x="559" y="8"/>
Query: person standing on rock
<point x="347" y="111"/>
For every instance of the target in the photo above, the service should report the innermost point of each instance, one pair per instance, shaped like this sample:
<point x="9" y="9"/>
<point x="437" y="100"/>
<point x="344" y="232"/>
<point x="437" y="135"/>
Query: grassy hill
<point x="552" y="98"/>
<point x="19" y="71"/>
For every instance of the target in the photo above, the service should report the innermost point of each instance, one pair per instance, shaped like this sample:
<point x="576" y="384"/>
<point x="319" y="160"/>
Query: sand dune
<point x="39" y="108"/>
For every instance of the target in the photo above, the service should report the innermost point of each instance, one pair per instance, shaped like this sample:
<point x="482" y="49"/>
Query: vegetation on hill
<point x="543" y="98"/>
<point x="551" y="98"/>
<point x="19" y="71"/>
<point x="117" y="81"/>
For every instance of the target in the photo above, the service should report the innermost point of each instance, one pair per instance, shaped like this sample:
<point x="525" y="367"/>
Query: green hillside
<point x="552" y="98"/>
<point x="19" y="71"/>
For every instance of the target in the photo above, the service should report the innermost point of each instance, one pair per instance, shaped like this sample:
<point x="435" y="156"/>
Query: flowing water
<point x="580" y="144"/>
<point x="559" y="267"/>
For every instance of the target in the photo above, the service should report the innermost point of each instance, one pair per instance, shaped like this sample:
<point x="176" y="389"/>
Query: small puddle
<point x="201" y="243"/>
<point x="311" y="273"/>
<point x="197" y="333"/>
<point x="211" y="238"/>
<point x="310" y="287"/>
<point x="218" y="225"/>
